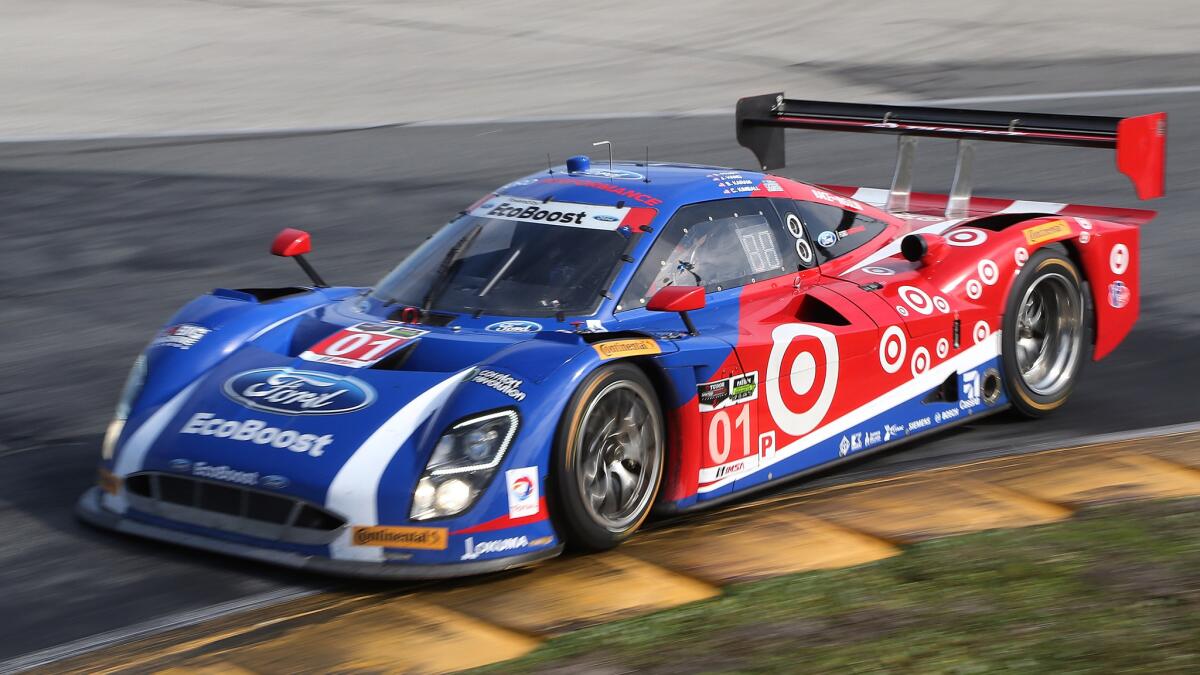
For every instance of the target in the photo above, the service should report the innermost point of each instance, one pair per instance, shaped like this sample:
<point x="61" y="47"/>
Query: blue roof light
<point x="578" y="163"/>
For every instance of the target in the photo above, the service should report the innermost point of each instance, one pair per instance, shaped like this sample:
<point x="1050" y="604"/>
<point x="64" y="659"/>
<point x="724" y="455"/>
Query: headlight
<point x="133" y="387"/>
<point x="463" y="462"/>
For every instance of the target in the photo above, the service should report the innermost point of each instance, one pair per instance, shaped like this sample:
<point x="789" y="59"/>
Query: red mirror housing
<point x="291" y="242"/>
<point x="682" y="299"/>
<point x="677" y="299"/>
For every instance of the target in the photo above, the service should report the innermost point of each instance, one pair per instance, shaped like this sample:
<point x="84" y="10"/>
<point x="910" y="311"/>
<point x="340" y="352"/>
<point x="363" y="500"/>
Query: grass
<point x="1115" y="589"/>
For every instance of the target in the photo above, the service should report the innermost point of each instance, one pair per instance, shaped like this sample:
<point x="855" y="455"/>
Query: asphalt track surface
<point x="102" y="240"/>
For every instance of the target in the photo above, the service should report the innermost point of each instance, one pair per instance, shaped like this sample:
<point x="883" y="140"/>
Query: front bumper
<point x="90" y="510"/>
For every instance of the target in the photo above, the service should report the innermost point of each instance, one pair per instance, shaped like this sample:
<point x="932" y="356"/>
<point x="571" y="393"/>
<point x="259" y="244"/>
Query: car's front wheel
<point x="608" y="459"/>
<point x="1043" y="334"/>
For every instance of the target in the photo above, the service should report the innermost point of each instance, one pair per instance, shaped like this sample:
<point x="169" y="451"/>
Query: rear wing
<point x="1140" y="141"/>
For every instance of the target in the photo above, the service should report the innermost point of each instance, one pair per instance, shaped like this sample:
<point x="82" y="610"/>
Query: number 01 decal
<point x="729" y="419"/>
<point x="361" y="345"/>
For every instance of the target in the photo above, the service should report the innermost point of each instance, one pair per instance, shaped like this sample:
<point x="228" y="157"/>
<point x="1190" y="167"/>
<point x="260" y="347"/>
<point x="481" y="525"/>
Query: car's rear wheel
<point x="608" y="460"/>
<point x="1043" y="334"/>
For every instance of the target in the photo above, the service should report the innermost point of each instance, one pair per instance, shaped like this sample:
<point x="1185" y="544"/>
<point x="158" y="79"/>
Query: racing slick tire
<point x="1043" y="334"/>
<point x="608" y="458"/>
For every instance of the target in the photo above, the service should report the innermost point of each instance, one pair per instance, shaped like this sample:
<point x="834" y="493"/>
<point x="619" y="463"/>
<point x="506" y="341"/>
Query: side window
<point x="717" y="245"/>
<point x="835" y="232"/>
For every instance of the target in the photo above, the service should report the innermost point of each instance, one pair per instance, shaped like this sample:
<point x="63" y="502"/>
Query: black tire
<point x="1041" y="385"/>
<point x="585" y="525"/>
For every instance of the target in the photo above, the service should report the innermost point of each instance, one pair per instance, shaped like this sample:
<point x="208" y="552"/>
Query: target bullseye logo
<point x="800" y="378"/>
<point x="1020" y="256"/>
<point x="1118" y="259"/>
<point x="989" y="272"/>
<point x="981" y="331"/>
<point x="941" y="304"/>
<point x="917" y="299"/>
<point x="879" y="271"/>
<point x="920" y="361"/>
<point x="892" y="349"/>
<point x="943" y="348"/>
<point x="966" y="236"/>
<point x="974" y="289"/>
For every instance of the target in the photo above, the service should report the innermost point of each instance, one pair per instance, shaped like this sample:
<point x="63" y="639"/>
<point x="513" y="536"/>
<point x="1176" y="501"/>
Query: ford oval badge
<point x="298" y="392"/>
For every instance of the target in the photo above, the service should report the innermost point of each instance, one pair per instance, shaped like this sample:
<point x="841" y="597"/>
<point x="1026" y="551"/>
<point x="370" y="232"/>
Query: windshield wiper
<point x="442" y="276"/>
<point x="496" y="277"/>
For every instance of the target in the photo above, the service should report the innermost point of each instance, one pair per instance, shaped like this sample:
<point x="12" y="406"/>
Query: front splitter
<point x="89" y="510"/>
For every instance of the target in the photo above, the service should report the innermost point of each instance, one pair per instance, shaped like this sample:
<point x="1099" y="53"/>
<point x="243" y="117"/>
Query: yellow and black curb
<point x="450" y="627"/>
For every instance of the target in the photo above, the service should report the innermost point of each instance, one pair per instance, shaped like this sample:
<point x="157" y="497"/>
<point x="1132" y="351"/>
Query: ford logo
<point x="515" y="327"/>
<point x="607" y="219"/>
<point x="619" y="174"/>
<point x="275" y="482"/>
<point x="298" y="392"/>
<point x="184" y="465"/>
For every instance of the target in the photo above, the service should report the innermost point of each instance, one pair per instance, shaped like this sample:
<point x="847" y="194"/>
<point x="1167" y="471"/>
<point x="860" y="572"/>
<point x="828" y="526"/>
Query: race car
<point x="597" y="341"/>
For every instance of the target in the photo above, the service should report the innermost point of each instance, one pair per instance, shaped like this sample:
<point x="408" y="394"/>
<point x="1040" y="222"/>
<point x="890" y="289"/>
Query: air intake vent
<point x="232" y="508"/>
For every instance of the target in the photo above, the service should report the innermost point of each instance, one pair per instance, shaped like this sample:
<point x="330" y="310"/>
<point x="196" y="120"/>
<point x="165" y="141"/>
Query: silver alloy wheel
<point x="1049" y="334"/>
<point x="619" y="455"/>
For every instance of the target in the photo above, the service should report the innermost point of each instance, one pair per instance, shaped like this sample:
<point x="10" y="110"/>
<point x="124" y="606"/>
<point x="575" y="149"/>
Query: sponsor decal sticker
<point x="771" y="186"/>
<point x="502" y="382"/>
<point x="737" y="467"/>
<point x="916" y="425"/>
<point x="966" y="236"/>
<point x="1118" y="259"/>
<point x="224" y="472"/>
<point x="826" y="239"/>
<point x="474" y="550"/>
<point x="891" y="431"/>
<point x="589" y="216"/>
<point x="180" y="336"/>
<point x="1054" y="229"/>
<point x="727" y="392"/>
<point x="892" y="349"/>
<point x="298" y="392"/>
<point x="1118" y="294"/>
<point x="614" y="349"/>
<point x="390" y="536"/>
<point x="256" y="432"/>
<point x="619" y="174"/>
<point x="836" y="199"/>
<point x="515" y="326"/>
<point x="523" y="492"/>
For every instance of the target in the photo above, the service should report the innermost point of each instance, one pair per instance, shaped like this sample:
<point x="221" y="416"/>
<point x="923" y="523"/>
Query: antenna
<point x="609" y="144"/>
<point x="549" y="164"/>
<point x="646" y="178"/>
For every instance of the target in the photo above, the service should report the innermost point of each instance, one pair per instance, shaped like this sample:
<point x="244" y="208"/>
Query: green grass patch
<point x="1115" y="589"/>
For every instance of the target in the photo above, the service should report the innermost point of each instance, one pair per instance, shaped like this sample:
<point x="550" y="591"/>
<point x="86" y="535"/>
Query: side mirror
<point x="293" y="243"/>
<point x="682" y="299"/>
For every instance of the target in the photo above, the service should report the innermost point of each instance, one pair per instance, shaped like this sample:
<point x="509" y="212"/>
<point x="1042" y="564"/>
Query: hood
<point x="283" y="423"/>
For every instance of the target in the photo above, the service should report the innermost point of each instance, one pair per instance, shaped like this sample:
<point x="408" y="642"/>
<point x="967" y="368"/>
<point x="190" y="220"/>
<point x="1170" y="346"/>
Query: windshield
<point x="514" y="257"/>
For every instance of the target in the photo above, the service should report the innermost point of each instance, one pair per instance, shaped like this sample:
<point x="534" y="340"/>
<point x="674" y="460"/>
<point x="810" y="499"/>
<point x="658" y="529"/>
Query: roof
<point x="669" y="185"/>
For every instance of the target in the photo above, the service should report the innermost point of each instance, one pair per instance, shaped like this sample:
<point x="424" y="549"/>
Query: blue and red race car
<point x="590" y="343"/>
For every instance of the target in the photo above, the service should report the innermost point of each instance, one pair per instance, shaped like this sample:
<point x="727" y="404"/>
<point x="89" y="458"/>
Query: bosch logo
<point x="298" y="392"/>
<point x="515" y="327"/>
